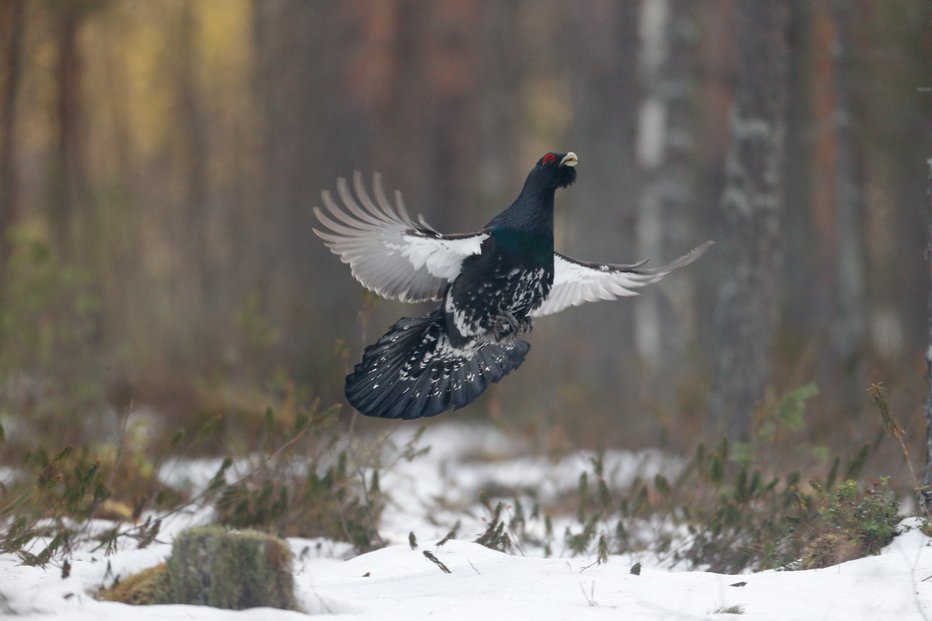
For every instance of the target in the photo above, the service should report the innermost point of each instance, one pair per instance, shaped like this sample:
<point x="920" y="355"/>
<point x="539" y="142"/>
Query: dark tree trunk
<point x="11" y="30"/>
<point x="187" y="154"/>
<point x="194" y="154"/>
<point x="606" y="94"/>
<point x="433" y="107"/>
<point x="312" y="131"/>
<point x="847" y="332"/>
<point x="797" y="284"/>
<point x="747" y="304"/>
<point x="68" y="171"/>
<point x="501" y="61"/>
<point x="927" y="475"/>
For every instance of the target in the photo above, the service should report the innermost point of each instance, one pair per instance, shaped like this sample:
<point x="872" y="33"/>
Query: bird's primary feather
<point x="577" y="282"/>
<point x="387" y="251"/>
<point x="490" y="284"/>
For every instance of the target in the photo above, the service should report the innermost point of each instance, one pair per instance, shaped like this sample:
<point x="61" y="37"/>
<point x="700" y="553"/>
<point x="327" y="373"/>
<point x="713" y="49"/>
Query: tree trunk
<point x="312" y="132"/>
<point x="839" y="323"/>
<point x="848" y="329"/>
<point x="747" y="304"/>
<point x="501" y="60"/>
<point x="194" y="154"/>
<point x="192" y="287"/>
<point x="68" y="172"/>
<point x="797" y="284"/>
<point x="927" y="475"/>
<point x="433" y="107"/>
<point x="11" y="28"/>
<point x="606" y="93"/>
<point x="666" y="142"/>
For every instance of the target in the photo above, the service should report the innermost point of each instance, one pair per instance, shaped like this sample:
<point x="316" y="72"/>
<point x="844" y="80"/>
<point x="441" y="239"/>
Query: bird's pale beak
<point x="569" y="159"/>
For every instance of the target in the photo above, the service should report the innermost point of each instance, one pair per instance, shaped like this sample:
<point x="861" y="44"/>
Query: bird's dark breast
<point x="510" y="277"/>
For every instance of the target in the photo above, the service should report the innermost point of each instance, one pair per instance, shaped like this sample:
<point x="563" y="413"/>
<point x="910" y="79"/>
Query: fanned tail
<point x="414" y="371"/>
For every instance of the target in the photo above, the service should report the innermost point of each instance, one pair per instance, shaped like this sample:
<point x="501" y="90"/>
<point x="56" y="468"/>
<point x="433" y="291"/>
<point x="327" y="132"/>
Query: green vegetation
<point x="738" y="509"/>
<point x="304" y="476"/>
<point x="285" y="464"/>
<point x="298" y="470"/>
<point x="852" y="524"/>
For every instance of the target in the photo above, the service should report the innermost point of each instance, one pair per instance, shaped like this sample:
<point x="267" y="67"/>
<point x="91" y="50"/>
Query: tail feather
<point x="414" y="371"/>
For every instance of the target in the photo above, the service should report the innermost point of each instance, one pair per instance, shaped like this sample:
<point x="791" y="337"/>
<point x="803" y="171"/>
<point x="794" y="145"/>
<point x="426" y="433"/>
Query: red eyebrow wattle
<point x="550" y="158"/>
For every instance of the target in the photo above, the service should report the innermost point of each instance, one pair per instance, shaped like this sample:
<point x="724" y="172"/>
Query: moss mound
<point x="212" y="566"/>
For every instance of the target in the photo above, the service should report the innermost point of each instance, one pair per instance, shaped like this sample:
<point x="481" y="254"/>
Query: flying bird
<point x="490" y="285"/>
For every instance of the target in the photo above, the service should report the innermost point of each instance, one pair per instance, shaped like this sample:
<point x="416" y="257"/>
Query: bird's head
<point x="556" y="170"/>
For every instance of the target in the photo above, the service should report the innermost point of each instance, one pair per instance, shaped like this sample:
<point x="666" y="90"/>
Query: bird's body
<point x="489" y="285"/>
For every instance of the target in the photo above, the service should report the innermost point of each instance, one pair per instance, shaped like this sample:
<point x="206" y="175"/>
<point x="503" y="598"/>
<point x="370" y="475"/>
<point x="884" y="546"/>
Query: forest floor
<point x="427" y="495"/>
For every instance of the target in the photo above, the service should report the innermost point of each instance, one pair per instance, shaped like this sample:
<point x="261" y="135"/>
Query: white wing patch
<point x="386" y="250"/>
<point x="576" y="282"/>
<point x="439" y="256"/>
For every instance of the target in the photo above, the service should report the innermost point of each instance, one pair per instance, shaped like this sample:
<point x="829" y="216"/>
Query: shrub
<point x="55" y="496"/>
<point x="147" y="588"/>
<point x="324" y="485"/>
<point x="737" y="509"/>
<point x="851" y="524"/>
<point x="729" y="509"/>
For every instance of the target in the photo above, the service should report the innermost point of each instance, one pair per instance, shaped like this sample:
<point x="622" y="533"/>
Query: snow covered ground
<point x="398" y="582"/>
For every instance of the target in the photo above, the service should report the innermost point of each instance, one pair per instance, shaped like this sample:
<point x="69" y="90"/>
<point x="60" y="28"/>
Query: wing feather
<point x="577" y="282"/>
<point x="386" y="250"/>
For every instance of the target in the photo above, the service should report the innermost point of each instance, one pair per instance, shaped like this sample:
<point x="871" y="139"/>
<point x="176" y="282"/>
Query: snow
<point x="398" y="582"/>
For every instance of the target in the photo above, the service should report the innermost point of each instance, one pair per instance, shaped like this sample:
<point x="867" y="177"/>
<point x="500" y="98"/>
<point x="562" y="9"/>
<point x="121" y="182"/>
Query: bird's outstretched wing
<point x="576" y="282"/>
<point x="386" y="250"/>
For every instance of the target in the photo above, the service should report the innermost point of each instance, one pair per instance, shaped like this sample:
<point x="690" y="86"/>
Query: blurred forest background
<point x="159" y="160"/>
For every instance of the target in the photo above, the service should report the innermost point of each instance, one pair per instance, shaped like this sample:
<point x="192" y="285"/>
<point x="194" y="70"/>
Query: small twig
<point x="351" y="445"/>
<point x="590" y="565"/>
<point x="892" y="428"/>
<point x="590" y="597"/>
<point x="121" y="443"/>
<point x="450" y="535"/>
<point x="436" y="561"/>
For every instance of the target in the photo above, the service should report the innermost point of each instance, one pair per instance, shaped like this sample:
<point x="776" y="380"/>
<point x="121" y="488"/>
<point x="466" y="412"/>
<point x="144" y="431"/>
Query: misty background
<point x="159" y="161"/>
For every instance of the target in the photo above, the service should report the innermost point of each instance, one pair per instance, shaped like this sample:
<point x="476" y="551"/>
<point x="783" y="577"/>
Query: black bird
<point x="490" y="284"/>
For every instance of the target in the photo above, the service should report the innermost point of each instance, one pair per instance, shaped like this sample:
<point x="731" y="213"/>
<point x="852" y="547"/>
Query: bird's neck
<point x="531" y="211"/>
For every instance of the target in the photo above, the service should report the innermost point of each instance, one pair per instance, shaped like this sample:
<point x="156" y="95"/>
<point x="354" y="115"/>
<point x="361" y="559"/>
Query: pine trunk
<point x="606" y="93"/>
<point x="11" y="26"/>
<point x="67" y="172"/>
<point x="848" y="337"/>
<point x="309" y="138"/>
<point x="750" y="207"/>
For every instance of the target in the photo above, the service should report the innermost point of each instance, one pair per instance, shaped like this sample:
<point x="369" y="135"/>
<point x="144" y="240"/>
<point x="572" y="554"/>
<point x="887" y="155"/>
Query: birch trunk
<point x="665" y="151"/>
